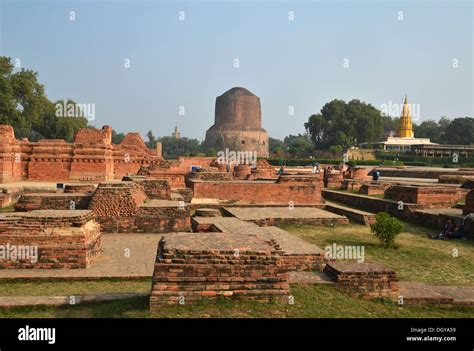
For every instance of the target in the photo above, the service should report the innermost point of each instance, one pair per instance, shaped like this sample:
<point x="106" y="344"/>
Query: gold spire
<point x="405" y="128"/>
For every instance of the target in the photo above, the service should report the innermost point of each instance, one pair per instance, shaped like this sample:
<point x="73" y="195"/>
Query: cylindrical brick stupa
<point x="238" y="123"/>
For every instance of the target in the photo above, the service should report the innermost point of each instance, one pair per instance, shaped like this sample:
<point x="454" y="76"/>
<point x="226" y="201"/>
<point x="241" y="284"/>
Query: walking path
<point x="419" y="293"/>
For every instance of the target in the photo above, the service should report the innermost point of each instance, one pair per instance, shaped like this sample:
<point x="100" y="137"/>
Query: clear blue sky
<point x="286" y="63"/>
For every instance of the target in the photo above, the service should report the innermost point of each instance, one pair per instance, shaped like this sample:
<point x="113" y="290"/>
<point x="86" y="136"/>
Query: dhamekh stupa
<point x="238" y="123"/>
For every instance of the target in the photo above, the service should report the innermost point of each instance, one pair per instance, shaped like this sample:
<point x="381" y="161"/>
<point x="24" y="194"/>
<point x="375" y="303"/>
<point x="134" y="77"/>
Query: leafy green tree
<point x="117" y="137"/>
<point x="211" y="152"/>
<point x="276" y="146"/>
<point x="428" y="129"/>
<point x="25" y="106"/>
<point x="390" y="123"/>
<point x="345" y="124"/>
<point x="299" y="145"/>
<point x="173" y="147"/>
<point x="151" y="143"/>
<point x="460" y="131"/>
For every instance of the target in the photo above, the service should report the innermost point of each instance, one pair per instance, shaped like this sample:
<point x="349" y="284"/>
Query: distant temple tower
<point x="176" y="134"/>
<point x="405" y="128"/>
<point x="238" y="124"/>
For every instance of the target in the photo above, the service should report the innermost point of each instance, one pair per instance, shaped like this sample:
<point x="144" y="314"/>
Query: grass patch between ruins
<point x="319" y="301"/>
<point x="68" y="288"/>
<point x="415" y="258"/>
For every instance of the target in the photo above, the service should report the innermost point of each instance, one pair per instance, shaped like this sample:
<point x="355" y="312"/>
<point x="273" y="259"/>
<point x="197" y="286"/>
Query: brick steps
<point x="366" y="280"/>
<point x="358" y="216"/>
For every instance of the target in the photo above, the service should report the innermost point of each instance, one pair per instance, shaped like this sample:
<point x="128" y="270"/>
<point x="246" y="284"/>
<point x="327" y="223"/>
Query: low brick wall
<point x="156" y="188"/>
<point x="353" y="214"/>
<point x="192" y="267"/>
<point x="51" y="201"/>
<point x="278" y="222"/>
<point x="79" y="188"/>
<point x="162" y="217"/>
<point x="372" y="204"/>
<point x="186" y="193"/>
<point x="351" y="184"/>
<point x="209" y="176"/>
<point x="299" y="263"/>
<point x="333" y="180"/>
<point x="299" y="190"/>
<point x="366" y="280"/>
<point x="423" y="195"/>
<point x="63" y="239"/>
<point x="373" y="189"/>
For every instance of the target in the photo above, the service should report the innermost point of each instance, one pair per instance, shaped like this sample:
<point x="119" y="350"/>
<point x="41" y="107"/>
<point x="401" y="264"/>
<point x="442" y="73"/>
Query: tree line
<point x="339" y="124"/>
<point x="25" y="106"/>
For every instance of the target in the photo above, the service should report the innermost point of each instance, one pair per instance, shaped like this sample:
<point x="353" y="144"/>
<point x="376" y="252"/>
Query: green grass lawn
<point x="68" y="288"/>
<point x="317" y="301"/>
<point x="416" y="258"/>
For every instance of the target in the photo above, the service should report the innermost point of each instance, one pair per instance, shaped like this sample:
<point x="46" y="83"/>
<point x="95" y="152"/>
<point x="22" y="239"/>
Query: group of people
<point x="451" y="230"/>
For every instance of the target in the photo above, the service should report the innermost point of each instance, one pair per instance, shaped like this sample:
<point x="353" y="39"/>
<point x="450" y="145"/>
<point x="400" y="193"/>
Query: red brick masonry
<point x="63" y="239"/>
<point x="288" y="188"/>
<point x="424" y="195"/>
<point x="195" y="266"/>
<point x="91" y="157"/>
<point x="366" y="280"/>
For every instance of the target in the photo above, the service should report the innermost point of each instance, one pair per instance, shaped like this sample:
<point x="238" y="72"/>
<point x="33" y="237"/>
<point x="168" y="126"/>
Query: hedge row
<point x="429" y="160"/>
<point x="420" y="162"/>
<point x="309" y="161"/>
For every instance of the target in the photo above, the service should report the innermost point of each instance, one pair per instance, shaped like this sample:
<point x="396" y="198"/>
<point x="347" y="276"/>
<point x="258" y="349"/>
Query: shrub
<point x="386" y="228"/>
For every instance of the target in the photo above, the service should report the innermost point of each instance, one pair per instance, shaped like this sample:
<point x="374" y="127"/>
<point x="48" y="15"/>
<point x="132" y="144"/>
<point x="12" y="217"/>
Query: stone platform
<point x="49" y="239"/>
<point x="353" y="214"/>
<point x="195" y="266"/>
<point x="297" y="254"/>
<point x="129" y="256"/>
<point x="284" y="215"/>
<point x="419" y="293"/>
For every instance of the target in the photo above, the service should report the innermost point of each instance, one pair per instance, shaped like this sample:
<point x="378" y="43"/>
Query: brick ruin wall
<point x="175" y="171"/>
<point x="162" y="217"/>
<point x="410" y="211"/>
<point x="284" y="190"/>
<point x="63" y="239"/>
<point x="373" y="204"/>
<point x="47" y="201"/>
<point x="373" y="188"/>
<point x="91" y="157"/>
<point x="351" y="184"/>
<point x="423" y="195"/>
<point x="186" y="270"/>
<point x="125" y="208"/>
<point x="365" y="280"/>
<point x="115" y="206"/>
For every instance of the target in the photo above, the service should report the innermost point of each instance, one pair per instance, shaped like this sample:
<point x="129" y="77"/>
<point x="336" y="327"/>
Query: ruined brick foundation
<point x="192" y="267"/>
<point x="64" y="239"/>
